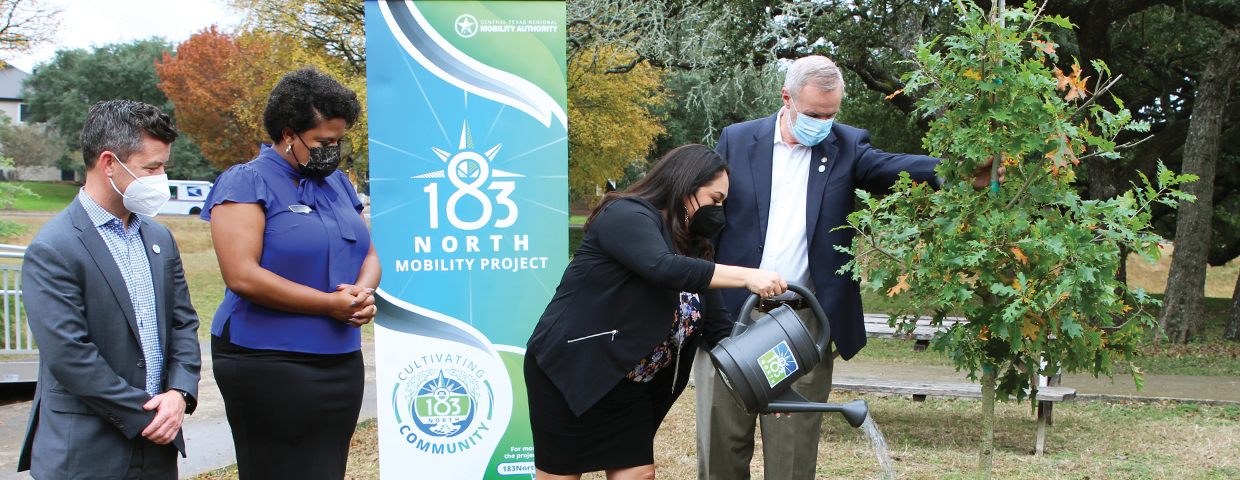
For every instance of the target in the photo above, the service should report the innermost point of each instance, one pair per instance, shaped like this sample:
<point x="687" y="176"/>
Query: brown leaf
<point x="1020" y="255"/>
<point x="900" y="287"/>
<point x="1076" y="85"/>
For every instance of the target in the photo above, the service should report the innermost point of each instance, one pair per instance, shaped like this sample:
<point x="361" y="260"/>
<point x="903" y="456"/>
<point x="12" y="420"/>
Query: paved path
<point x="1160" y="386"/>
<point x="207" y="436"/>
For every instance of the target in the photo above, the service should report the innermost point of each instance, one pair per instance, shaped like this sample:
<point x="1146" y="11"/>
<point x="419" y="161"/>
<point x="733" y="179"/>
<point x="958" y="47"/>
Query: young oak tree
<point x="1029" y="263"/>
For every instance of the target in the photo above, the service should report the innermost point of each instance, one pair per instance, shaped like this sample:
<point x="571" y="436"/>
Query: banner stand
<point x="468" y="123"/>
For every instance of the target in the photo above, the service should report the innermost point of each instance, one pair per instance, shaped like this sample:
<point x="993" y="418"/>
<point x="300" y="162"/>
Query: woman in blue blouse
<point x="296" y="256"/>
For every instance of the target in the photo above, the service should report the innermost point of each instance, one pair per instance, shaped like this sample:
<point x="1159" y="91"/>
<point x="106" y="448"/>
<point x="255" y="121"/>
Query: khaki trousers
<point x="725" y="433"/>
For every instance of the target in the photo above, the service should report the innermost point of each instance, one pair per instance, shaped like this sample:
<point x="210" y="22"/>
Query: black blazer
<point x="616" y="304"/>
<point x="839" y="165"/>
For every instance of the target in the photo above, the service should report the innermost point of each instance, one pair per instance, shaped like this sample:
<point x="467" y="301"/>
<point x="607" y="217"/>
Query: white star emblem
<point x="465" y="25"/>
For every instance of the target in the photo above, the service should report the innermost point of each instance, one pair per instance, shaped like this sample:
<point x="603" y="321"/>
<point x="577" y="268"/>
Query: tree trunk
<point x="1232" y="332"/>
<point x="1181" y="314"/>
<point x="987" y="454"/>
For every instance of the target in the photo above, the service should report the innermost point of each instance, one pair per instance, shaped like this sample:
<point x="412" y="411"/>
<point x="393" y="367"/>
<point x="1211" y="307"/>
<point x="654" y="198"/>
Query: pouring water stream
<point x="879" y="444"/>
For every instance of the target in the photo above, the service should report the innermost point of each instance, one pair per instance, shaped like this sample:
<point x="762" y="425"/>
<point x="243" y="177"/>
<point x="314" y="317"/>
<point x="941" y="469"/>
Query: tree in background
<point x="199" y="79"/>
<point x="611" y="120"/>
<point x="62" y="91"/>
<point x="221" y="82"/>
<point x="1181" y="316"/>
<point x="334" y="27"/>
<point x="25" y="24"/>
<point x="1028" y="263"/>
<point x="30" y="146"/>
<point x="329" y="34"/>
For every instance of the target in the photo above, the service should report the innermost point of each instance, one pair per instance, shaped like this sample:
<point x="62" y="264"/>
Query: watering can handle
<point x="824" y="330"/>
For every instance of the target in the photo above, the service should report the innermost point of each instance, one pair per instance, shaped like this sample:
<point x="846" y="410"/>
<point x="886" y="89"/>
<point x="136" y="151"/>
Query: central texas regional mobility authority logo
<point x="443" y="403"/>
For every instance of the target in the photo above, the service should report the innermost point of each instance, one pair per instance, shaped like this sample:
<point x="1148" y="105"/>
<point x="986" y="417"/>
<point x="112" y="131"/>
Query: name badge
<point x="300" y="208"/>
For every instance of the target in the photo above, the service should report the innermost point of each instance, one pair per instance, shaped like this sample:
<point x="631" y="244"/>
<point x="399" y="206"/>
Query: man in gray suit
<point x="108" y="305"/>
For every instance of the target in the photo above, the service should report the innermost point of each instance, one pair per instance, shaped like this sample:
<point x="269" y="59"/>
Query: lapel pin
<point x="822" y="168"/>
<point x="155" y="248"/>
<point x="824" y="159"/>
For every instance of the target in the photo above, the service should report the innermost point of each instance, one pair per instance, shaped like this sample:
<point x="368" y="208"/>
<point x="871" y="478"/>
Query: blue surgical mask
<point x="808" y="130"/>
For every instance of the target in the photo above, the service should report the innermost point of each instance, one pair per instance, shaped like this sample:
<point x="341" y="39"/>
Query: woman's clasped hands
<point x="353" y="304"/>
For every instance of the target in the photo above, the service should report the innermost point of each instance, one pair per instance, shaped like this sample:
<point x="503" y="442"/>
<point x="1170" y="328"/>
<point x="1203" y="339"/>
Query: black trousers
<point x="292" y="414"/>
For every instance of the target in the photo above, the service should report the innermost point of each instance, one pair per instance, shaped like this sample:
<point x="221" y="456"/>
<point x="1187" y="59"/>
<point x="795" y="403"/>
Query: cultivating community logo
<point x="442" y="403"/>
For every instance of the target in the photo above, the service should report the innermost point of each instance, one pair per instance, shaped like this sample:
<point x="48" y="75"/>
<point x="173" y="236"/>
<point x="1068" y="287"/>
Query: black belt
<point x="796" y="304"/>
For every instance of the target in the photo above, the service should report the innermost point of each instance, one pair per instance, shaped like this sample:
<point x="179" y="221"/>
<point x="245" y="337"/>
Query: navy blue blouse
<point x="320" y="247"/>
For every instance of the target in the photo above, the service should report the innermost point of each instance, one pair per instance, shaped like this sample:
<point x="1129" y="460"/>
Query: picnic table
<point x="876" y="327"/>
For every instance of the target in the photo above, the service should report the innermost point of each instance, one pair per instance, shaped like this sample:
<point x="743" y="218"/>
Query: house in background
<point x="11" y="102"/>
<point x="12" y="105"/>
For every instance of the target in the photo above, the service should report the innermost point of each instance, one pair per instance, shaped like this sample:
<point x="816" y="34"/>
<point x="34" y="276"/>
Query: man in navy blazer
<point x="794" y="175"/>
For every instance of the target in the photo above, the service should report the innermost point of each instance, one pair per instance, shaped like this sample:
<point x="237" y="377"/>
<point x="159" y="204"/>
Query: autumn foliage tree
<point x="199" y="79"/>
<point x="1029" y="263"/>
<point x="611" y="119"/>
<point x="220" y="83"/>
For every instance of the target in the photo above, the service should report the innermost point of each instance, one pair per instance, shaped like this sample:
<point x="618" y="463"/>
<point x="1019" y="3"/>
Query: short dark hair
<point x="119" y="125"/>
<point x="306" y="97"/>
<point x="679" y="174"/>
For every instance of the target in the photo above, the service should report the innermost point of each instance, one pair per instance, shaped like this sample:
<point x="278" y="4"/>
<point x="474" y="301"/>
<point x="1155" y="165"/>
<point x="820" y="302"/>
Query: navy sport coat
<point x="851" y="163"/>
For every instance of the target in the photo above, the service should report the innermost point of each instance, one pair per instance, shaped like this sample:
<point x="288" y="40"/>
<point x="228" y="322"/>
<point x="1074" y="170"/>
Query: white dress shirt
<point x="786" y="247"/>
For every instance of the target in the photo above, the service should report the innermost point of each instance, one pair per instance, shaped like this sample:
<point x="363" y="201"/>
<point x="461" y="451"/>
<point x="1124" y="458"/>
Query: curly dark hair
<point x="306" y="97"/>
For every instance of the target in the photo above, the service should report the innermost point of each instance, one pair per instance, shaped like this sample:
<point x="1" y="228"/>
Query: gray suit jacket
<point x="88" y="403"/>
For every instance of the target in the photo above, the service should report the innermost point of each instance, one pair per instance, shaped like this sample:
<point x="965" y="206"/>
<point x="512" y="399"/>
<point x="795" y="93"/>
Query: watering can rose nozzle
<point x="761" y="359"/>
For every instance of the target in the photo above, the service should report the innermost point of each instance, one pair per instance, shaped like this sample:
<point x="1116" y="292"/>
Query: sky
<point x="90" y="23"/>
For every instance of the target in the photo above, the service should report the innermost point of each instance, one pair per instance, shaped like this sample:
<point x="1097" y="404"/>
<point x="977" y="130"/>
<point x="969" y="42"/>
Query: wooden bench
<point x="920" y="390"/>
<point x="876" y="327"/>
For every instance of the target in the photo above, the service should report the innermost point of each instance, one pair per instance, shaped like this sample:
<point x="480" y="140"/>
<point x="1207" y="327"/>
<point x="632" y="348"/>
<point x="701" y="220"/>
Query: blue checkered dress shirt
<point x="130" y="255"/>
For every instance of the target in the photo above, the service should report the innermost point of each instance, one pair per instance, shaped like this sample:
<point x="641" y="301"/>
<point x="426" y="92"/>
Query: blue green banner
<point x="469" y="212"/>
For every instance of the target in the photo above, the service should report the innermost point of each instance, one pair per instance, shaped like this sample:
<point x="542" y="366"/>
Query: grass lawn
<point x="937" y="439"/>
<point x="49" y="197"/>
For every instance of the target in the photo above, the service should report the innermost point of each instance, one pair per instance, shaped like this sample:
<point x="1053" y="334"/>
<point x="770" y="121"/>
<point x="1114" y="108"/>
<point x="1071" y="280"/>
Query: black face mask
<point x="323" y="161"/>
<point x="708" y="221"/>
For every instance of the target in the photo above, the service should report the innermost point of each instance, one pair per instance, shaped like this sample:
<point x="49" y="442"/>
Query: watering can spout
<point x="789" y="401"/>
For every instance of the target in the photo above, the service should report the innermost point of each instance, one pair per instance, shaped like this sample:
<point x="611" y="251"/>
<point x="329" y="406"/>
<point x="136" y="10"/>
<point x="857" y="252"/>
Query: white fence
<point x="17" y="338"/>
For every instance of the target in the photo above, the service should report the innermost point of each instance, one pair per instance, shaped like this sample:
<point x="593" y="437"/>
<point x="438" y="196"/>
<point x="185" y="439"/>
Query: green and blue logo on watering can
<point x="778" y="363"/>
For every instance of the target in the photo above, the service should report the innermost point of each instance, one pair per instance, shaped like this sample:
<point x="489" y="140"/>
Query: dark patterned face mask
<point x="323" y="161"/>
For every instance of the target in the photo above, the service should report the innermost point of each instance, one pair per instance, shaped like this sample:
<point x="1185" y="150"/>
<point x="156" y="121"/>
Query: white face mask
<point x="146" y="195"/>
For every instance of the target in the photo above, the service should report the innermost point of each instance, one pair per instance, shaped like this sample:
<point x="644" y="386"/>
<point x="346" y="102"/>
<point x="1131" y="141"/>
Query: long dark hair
<point x="676" y="176"/>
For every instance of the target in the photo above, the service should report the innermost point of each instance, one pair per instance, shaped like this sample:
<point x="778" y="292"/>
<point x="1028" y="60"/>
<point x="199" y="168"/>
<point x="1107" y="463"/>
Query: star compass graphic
<point x="468" y="170"/>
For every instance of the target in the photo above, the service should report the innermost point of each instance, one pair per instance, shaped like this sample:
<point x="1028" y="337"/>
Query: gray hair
<point x="119" y="126"/>
<point x="815" y="70"/>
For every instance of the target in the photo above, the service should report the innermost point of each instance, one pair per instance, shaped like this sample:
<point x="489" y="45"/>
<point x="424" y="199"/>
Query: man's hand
<point x="169" y="412"/>
<point x="981" y="175"/>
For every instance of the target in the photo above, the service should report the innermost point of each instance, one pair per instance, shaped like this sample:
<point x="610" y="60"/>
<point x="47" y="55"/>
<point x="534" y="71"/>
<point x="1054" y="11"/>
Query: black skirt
<point x="615" y="433"/>
<point x="292" y="414"/>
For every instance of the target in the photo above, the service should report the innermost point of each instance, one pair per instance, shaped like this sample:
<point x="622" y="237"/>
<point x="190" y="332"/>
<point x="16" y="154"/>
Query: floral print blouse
<point x="687" y="319"/>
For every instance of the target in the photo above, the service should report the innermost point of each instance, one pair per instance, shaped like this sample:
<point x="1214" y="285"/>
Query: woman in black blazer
<point x="604" y="363"/>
